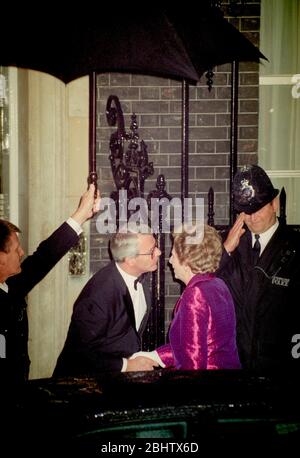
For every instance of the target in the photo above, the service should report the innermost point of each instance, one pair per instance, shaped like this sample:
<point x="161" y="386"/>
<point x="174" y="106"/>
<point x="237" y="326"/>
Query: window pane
<point x="279" y="133"/>
<point x="279" y="36"/>
<point x="292" y="189"/>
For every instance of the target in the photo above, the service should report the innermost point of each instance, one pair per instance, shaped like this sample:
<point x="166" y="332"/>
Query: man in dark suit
<point x="18" y="278"/>
<point x="261" y="265"/>
<point x="111" y="312"/>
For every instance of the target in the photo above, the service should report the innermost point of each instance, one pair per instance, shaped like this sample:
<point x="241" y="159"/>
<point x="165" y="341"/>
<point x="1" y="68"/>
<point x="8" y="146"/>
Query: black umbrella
<point x="179" y="44"/>
<point x="137" y="44"/>
<point x="210" y="39"/>
<point x="175" y="43"/>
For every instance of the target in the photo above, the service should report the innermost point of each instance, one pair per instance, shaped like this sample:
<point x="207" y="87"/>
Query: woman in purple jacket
<point x="202" y="332"/>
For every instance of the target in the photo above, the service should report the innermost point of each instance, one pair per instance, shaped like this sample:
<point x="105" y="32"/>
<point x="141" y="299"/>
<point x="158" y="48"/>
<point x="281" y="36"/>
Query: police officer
<point x="261" y="266"/>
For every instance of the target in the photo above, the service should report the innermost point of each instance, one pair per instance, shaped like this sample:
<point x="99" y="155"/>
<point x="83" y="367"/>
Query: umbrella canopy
<point x="167" y="43"/>
<point x="178" y="43"/>
<point x="210" y="39"/>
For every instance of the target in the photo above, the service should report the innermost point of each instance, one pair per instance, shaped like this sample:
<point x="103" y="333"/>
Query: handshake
<point x="144" y="361"/>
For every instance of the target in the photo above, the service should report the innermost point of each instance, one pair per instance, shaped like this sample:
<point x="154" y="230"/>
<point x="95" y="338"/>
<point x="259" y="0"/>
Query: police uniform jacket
<point x="266" y="297"/>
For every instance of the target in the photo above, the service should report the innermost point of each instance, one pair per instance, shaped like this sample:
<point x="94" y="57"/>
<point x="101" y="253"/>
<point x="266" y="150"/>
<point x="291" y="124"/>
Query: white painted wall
<point x="57" y="173"/>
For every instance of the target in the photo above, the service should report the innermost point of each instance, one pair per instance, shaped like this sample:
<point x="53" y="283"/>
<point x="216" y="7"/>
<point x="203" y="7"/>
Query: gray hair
<point x="124" y="243"/>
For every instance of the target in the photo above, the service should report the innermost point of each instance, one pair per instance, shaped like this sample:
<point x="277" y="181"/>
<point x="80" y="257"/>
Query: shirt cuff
<point x="156" y="357"/>
<point x="149" y="354"/>
<point x="74" y="225"/>
<point x="124" y="367"/>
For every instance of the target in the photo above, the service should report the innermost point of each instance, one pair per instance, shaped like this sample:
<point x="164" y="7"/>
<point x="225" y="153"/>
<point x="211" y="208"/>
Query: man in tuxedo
<point x="18" y="278"/>
<point x="261" y="266"/>
<point x="111" y="312"/>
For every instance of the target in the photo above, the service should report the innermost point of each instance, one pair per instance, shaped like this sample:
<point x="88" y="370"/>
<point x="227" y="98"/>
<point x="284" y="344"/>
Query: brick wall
<point x="157" y="104"/>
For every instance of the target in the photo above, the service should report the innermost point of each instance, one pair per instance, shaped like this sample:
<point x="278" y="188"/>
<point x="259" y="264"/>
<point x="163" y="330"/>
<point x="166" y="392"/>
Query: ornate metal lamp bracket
<point x="128" y="155"/>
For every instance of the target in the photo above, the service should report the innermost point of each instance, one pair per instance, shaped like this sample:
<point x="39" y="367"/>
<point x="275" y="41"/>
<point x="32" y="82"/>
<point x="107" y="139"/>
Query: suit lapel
<point x="127" y="302"/>
<point x="270" y="263"/>
<point x="129" y="306"/>
<point x="269" y="258"/>
<point x="147" y="294"/>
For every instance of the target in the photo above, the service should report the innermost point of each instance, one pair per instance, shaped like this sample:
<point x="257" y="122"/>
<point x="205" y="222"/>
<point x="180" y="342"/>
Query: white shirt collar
<point x="4" y="286"/>
<point x="137" y="296"/>
<point x="266" y="236"/>
<point x="129" y="279"/>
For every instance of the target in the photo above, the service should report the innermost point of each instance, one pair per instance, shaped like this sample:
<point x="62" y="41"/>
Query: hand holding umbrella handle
<point x="92" y="179"/>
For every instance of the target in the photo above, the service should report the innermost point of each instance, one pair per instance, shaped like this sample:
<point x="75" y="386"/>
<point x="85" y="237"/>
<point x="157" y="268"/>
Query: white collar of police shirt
<point x="4" y="287"/>
<point x="265" y="237"/>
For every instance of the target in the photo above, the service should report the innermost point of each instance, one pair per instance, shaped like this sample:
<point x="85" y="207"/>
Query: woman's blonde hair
<point x="202" y="255"/>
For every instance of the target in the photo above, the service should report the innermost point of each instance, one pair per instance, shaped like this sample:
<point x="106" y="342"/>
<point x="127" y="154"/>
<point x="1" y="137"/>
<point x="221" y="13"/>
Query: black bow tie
<point x="140" y="279"/>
